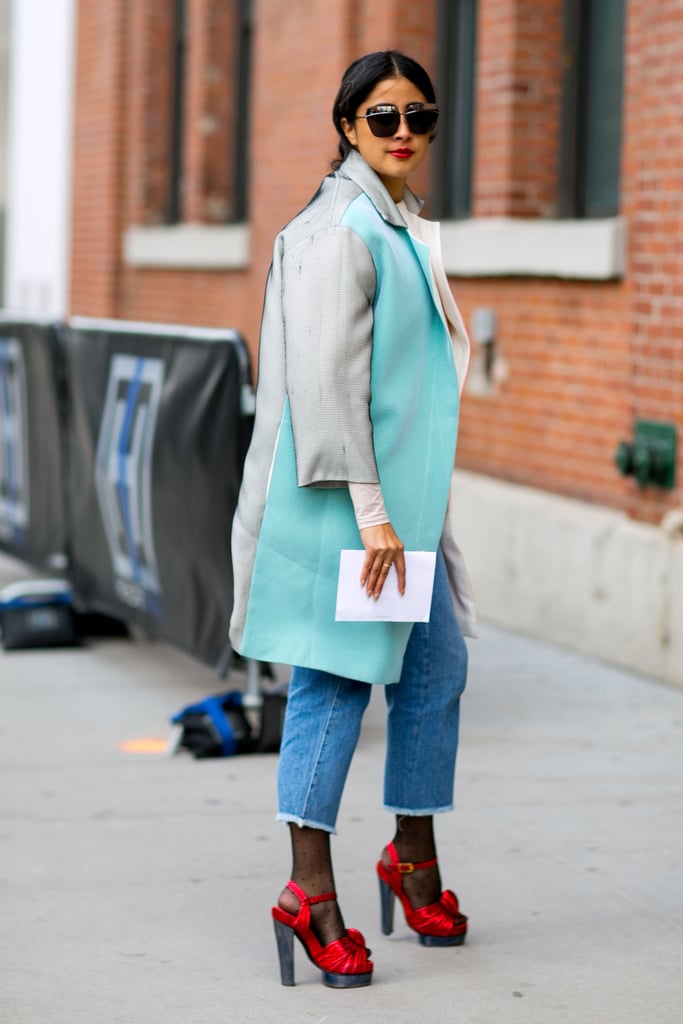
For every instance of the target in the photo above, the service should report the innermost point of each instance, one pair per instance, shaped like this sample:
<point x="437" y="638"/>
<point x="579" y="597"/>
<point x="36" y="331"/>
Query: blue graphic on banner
<point x="14" y="464"/>
<point x="123" y="467"/>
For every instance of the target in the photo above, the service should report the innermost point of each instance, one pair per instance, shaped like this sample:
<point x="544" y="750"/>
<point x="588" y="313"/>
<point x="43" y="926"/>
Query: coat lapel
<point x="355" y="168"/>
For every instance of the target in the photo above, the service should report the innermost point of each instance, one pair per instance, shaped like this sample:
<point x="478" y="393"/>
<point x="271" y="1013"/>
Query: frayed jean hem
<point x="411" y="812"/>
<point x="293" y="819"/>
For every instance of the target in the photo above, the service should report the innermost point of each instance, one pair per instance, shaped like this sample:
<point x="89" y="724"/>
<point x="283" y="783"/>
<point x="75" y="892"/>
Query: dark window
<point x="456" y="63"/>
<point x="218" y="190"/>
<point x="593" y="103"/>
<point x="243" y="74"/>
<point x="177" y="120"/>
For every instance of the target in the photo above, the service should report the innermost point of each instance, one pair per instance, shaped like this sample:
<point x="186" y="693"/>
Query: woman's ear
<point x="349" y="132"/>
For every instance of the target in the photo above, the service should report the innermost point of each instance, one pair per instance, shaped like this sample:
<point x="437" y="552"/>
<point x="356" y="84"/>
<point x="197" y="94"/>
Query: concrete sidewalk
<point x="137" y="888"/>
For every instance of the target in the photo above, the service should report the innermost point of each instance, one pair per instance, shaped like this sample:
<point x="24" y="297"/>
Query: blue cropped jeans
<point x="324" y="714"/>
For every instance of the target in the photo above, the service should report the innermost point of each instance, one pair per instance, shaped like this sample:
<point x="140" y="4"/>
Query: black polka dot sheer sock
<point x="312" y="871"/>
<point x="414" y="842"/>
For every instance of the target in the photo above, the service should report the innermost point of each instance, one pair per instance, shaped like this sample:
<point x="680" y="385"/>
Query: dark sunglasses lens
<point x="421" y="121"/>
<point x="383" y="126"/>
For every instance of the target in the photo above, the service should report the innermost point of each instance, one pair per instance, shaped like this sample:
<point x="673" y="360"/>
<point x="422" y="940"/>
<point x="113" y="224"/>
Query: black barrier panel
<point x="32" y="497"/>
<point x="156" y="440"/>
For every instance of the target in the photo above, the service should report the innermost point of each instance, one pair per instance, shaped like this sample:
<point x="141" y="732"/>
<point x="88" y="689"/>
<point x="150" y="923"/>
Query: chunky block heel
<point x="437" y="924"/>
<point x="386" y="900"/>
<point x="344" y="963"/>
<point x="284" y="937"/>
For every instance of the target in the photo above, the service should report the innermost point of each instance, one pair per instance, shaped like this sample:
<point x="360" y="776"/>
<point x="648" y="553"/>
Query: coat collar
<point x="355" y="168"/>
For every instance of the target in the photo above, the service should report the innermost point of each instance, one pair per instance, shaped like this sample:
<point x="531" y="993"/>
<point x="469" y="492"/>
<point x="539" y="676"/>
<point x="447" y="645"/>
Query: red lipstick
<point x="402" y="154"/>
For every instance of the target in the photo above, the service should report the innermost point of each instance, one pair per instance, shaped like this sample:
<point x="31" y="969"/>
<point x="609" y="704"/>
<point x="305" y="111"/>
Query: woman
<point x="362" y="359"/>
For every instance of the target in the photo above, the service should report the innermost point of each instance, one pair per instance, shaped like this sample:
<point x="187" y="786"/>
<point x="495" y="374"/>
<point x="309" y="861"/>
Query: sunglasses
<point x="384" y="120"/>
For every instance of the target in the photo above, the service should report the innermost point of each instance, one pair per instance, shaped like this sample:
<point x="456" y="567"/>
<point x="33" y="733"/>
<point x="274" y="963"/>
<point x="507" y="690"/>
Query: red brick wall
<point x="555" y="421"/>
<point x="98" y="177"/>
<point x="653" y="204"/>
<point x="582" y="359"/>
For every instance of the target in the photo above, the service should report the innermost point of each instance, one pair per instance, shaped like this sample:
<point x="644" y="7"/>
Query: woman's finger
<point x="400" y="565"/>
<point x="382" y="574"/>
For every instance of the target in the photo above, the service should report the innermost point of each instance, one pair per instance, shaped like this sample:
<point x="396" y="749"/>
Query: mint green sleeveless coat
<point x="357" y="382"/>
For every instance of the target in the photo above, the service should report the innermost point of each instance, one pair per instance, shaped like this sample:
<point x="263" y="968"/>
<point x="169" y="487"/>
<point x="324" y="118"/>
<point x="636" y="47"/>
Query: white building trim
<point x="188" y="247"/>
<point x="593" y="250"/>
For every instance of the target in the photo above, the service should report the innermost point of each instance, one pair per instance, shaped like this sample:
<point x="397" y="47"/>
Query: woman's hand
<point x="383" y="550"/>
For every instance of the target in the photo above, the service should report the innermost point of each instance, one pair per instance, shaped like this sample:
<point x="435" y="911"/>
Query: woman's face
<point x="394" y="158"/>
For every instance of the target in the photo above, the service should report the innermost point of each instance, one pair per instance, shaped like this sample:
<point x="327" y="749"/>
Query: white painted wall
<point x="39" y="153"/>
<point x="576" y="574"/>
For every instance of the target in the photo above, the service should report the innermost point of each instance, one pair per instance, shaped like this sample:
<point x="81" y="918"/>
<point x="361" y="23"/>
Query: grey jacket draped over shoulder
<point x="358" y="381"/>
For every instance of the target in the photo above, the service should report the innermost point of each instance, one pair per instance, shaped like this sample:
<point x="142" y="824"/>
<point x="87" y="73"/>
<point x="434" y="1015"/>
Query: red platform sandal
<point x="437" y="924"/>
<point x="345" y="963"/>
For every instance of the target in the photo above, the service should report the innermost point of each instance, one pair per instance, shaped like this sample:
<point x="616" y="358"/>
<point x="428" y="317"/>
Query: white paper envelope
<point x="353" y="604"/>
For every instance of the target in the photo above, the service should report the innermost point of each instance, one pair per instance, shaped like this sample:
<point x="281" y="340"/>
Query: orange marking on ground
<point x="144" y="745"/>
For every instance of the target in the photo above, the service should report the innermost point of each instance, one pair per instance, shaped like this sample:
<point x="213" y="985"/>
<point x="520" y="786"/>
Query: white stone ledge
<point x="568" y="572"/>
<point x="592" y="250"/>
<point x="188" y="247"/>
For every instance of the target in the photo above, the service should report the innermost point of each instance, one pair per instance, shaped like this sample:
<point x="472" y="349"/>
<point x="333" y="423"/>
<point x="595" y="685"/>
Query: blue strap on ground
<point x="214" y="708"/>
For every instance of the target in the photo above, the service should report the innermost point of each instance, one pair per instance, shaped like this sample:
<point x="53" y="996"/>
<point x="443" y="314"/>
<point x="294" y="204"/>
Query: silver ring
<point x="387" y="565"/>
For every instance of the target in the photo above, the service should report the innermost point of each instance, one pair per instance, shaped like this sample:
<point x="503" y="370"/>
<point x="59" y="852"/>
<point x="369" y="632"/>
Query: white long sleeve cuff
<point x="368" y="504"/>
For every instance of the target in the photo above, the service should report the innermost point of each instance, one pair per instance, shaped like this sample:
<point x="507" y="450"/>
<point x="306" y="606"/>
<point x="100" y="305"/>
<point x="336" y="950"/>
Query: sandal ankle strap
<point x="407" y="867"/>
<point x="305" y="900"/>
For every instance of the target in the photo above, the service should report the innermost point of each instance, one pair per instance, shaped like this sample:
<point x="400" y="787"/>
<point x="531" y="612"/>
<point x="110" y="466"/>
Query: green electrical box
<point x="651" y="456"/>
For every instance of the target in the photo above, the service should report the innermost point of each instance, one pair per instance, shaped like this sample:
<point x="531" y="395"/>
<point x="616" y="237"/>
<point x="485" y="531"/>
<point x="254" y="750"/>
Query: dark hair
<point x="361" y="77"/>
